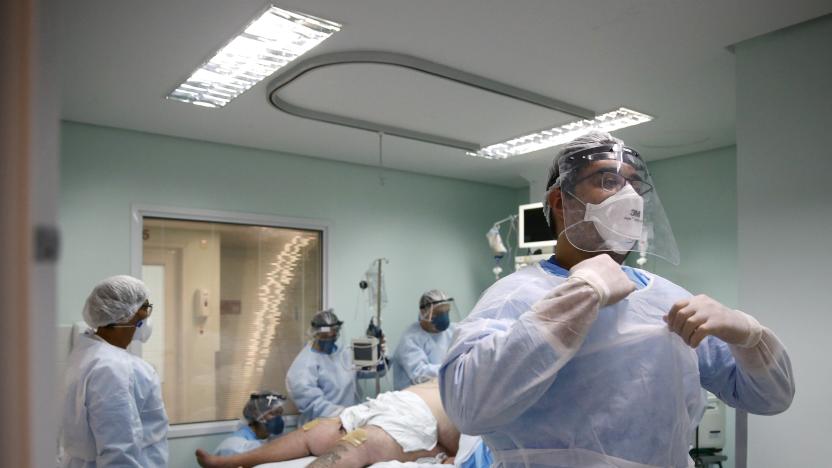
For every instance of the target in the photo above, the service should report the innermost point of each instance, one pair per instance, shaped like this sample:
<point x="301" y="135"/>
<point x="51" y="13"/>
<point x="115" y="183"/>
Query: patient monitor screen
<point x="535" y="228"/>
<point x="362" y="353"/>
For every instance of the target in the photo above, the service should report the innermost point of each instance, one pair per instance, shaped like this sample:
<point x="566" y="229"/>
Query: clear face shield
<point x="267" y="410"/>
<point x="440" y="314"/>
<point x="324" y="331"/>
<point x="610" y="204"/>
<point x="326" y="339"/>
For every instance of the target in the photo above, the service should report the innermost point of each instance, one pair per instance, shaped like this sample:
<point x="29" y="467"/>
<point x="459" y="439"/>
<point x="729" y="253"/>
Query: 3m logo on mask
<point x="635" y="214"/>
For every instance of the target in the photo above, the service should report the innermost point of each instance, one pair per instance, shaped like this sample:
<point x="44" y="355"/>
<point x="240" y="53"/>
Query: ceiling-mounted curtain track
<point x="414" y="63"/>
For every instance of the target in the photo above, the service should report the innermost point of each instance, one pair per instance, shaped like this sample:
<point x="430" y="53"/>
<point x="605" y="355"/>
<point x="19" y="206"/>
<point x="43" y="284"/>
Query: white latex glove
<point x="605" y="276"/>
<point x="695" y="318"/>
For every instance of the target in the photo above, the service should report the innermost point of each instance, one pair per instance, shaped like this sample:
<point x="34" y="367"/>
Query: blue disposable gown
<point x="472" y="453"/>
<point x="548" y="379"/>
<point x="113" y="414"/>
<point x="419" y="354"/>
<point x="240" y="441"/>
<point x="321" y="385"/>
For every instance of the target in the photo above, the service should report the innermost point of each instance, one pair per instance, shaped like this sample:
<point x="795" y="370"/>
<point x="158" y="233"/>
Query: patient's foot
<point x="206" y="460"/>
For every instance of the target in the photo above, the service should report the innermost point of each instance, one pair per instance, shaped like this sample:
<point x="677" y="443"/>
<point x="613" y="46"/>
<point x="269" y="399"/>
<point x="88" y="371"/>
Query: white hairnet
<point x="114" y="300"/>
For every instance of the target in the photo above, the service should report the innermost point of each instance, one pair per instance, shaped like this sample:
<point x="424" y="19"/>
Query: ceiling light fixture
<point x="268" y="43"/>
<point x="608" y="122"/>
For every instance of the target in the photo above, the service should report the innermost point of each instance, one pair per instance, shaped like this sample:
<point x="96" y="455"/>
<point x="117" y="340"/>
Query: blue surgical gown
<point x="419" y="354"/>
<point x="113" y="414"/>
<point x="627" y="392"/>
<point x="472" y="453"/>
<point x="240" y="441"/>
<point x="321" y="385"/>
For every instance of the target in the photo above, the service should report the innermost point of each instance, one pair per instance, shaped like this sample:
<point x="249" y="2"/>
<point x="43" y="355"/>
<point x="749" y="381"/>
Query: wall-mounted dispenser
<point x="201" y="303"/>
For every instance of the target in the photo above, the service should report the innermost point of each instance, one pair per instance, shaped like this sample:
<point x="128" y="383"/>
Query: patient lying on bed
<point x="402" y="426"/>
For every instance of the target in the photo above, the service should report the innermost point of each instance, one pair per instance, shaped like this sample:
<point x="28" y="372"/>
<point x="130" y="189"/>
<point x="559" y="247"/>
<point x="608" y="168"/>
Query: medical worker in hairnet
<point x="113" y="414"/>
<point x="321" y="380"/>
<point x="579" y="361"/>
<point x="263" y="415"/>
<point x="423" y="344"/>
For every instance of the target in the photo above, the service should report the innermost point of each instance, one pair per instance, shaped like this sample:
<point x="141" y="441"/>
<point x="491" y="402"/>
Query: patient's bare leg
<point x="296" y="444"/>
<point x="377" y="447"/>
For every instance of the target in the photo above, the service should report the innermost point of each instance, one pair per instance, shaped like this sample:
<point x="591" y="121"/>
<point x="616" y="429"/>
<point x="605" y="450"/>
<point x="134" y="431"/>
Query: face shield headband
<point x="569" y="165"/>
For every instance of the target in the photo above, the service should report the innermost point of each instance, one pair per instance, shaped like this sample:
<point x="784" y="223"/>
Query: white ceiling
<point x="668" y="58"/>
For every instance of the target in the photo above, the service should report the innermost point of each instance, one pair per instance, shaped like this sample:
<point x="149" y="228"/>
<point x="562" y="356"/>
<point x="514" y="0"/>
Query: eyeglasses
<point x="146" y="306"/>
<point x="271" y="414"/>
<point x="326" y="336"/>
<point x="613" y="182"/>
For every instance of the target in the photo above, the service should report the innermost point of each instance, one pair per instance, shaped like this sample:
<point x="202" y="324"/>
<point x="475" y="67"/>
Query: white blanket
<point x="402" y="415"/>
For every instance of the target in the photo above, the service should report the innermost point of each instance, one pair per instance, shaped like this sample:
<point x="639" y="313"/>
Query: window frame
<point x="137" y="214"/>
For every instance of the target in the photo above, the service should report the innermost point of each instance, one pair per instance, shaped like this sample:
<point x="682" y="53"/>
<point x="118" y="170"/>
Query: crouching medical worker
<point x="263" y="415"/>
<point x="321" y="380"/>
<point x="580" y="362"/>
<point x="423" y="344"/>
<point x="113" y="413"/>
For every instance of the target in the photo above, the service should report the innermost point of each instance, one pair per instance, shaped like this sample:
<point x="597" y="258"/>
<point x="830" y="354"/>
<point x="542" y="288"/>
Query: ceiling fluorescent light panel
<point x="543" y="139"/>
<point x="268" y="43"/>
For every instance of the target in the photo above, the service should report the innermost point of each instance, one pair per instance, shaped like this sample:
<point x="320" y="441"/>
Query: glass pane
<point x="237" y="300"/>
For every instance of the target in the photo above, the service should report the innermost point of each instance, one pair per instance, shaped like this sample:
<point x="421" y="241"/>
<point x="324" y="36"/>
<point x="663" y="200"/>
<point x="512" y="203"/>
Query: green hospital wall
<point x="784" y="97"/>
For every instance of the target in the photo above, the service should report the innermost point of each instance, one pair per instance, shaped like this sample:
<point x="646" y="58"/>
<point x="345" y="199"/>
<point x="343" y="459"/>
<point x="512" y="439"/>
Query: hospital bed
<point x="296" y="463"/>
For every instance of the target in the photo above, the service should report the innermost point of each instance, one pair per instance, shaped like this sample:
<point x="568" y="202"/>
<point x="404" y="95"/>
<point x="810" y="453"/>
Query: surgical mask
<point x="441" y="321"/>
<point x="275" y="425"/>
<point x="144" y="328"/>
<point x="618" y="219"/>
<point x="326" y="346"/>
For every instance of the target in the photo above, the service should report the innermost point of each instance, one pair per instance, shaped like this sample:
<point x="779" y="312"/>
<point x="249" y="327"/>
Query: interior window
<point x="232" y="303"/>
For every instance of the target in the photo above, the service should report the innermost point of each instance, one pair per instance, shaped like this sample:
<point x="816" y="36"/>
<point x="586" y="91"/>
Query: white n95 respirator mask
<point x="619" y="219"/>
<point x="143" y="330"/>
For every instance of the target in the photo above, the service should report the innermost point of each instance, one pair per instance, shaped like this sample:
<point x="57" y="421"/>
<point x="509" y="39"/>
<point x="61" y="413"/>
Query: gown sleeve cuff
<point x="755" y="333"/>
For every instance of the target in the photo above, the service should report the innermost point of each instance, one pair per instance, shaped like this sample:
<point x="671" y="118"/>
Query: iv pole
<point x="378" y="320"/>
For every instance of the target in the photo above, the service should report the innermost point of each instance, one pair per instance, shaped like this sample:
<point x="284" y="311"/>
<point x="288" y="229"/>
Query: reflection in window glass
<point x="236" y="303"/>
